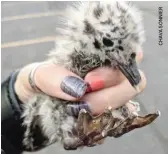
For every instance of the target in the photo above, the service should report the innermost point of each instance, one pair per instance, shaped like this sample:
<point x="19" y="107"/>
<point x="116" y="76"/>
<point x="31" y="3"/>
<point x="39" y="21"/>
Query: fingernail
<point x="95" y="85"/>
<point x="74" y="108"/>
<point x="89" y="88"/>
<point x="73" y="86"/>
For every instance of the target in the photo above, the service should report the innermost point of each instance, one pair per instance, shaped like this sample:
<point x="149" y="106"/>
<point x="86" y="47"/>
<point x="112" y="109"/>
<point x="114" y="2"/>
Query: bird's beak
<point x="131" y="73"/>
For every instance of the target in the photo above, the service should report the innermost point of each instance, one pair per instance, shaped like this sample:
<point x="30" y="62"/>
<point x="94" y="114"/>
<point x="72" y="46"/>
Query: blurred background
<point x="27" y="35"/>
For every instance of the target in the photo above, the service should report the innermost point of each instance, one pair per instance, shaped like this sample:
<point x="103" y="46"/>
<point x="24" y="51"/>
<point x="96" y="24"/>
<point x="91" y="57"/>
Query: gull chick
<point x="94" y="34"/>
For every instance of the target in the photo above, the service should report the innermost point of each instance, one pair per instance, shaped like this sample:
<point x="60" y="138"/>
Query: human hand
<point x="48" y="78"/>
<point x="116" y="90"/>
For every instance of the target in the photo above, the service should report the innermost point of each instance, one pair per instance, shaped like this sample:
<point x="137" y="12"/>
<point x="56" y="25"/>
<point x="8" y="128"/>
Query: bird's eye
<point x="133" y="55"/>
<point x="107" y="42"/>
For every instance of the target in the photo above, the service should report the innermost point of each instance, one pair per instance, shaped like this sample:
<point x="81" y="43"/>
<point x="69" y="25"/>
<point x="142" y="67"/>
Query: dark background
<point x="36" y="22"/>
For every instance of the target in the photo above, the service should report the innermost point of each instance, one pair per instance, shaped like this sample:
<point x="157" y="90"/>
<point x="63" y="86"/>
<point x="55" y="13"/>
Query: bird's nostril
<point x="107" y="62"/>
<point x="133" y="55"/>
<point x="121" y="48"/>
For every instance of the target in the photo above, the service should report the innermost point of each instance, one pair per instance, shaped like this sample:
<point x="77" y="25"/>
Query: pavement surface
<point x="28" y="33"/>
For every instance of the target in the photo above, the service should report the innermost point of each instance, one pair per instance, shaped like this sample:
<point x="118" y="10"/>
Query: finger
<point x="105" y="77"/>
<point x="114" y="96"/>
<point x="56" y="81"/>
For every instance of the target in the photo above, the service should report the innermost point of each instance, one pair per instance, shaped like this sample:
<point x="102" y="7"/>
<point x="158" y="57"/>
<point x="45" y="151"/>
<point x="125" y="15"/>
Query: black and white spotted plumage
<point x="94" y="34"/>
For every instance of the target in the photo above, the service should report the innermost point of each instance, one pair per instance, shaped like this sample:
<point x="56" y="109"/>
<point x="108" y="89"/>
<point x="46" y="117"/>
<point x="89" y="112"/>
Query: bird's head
<point x="123" y="57"/>
<point x="117" y="34"/>
<point x="111" y="30"/>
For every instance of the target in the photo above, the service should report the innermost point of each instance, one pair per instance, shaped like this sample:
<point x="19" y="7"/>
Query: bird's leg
<point x="90" y="128"/>
<point x="140" y="121"/>
<point x="85" y="127"/>
<point x="107" y="120"/>
<point x="72" y="143"/>
<point x="132" y="123"/>
<point x="82" y="123"/>
<point x="104" y="121"/>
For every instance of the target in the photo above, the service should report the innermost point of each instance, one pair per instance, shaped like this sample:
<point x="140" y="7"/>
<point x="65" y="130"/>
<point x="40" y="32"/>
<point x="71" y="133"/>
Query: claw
<point x="103" y="134"/>
<point x="83" y="111"/>
<point x="158" y="113"/>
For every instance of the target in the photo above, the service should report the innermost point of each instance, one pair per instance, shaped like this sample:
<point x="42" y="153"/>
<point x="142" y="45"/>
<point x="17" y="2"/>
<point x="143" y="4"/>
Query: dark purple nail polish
<point x="74" y="108"/>
<point x="73" y="86"/>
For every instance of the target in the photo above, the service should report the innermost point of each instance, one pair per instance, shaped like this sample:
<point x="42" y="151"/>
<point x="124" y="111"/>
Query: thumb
<point x="59" y="82"/>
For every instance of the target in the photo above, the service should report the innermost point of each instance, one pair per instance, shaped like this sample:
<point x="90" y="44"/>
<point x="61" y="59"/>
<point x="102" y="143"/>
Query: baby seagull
<point x="94" y="34"/>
